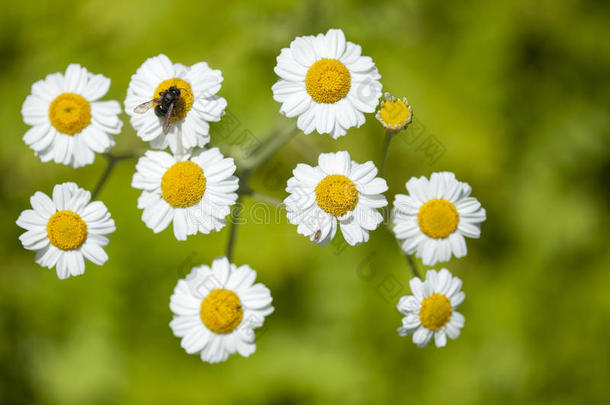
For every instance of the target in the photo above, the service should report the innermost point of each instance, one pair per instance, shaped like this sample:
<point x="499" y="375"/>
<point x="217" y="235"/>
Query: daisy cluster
<point x="329" y="86"/>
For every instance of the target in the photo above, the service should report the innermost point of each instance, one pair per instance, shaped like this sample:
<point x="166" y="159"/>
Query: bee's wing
<point x="142" y="108"/>
<point x="168" y="119"/>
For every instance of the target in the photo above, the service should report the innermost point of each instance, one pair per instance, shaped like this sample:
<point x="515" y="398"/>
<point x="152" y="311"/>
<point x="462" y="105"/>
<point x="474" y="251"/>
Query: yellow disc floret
<point x="70" y="113"/>
<point x="336" y="194"/>
<point x="395" y="114"/>
<point x="66" y="230"/>
<point x="438" y="218"/>
<point x="327" y="81"/>
<point x="185" y="102"/>
<point x="435" y="311"/>
<point x="183" y="184"/>
<point x="221" y="311"/>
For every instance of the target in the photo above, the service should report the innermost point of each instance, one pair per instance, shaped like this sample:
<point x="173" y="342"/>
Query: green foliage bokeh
<point x="517" y="94"/>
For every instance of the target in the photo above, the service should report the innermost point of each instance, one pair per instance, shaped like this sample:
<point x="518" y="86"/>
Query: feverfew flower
<point x="394" y="114"/>
<point x="69" y="123"/>
<point x="430" y="311"/>
<point x="434" y="219"/>
<point x="326" y="82"/>
<point x="66" y="230"/>
<point x="337" y="191"/>
<point x="217" y="308"/>
<point x="197" y="105"/>
<point x="194" y="191"/>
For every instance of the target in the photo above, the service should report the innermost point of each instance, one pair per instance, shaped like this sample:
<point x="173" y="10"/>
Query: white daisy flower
<point x="338" y="190"/>
<point x="326" y="82"/>
<point x="435" y="217"/>
<point x="394" y="114"/>
<point x="195" y="191"/>
<point x="216" y="310"/>
<point x="68" y="122"/>
<point x="197" y="106"/>
<point x="430" y="311"/>
<point x="66" y="230"/>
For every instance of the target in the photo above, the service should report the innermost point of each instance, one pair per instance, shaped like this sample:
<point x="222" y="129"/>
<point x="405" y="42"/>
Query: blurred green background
<point x="515" y="92"/>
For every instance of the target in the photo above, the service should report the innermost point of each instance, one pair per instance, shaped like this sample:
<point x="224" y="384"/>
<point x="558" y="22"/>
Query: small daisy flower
<point x="217" y="308"/>
<point x="195" y="191"/>
<point x="430" y="311"/>
<point x="394" y="114"/>
<point x="66" y="230"/>
<point x="197" y="106"/>
<point x="69" y="123"/>
<point x="326" y="82"/>
<point x="338" y="190"/>
<point x="436" y="216"/>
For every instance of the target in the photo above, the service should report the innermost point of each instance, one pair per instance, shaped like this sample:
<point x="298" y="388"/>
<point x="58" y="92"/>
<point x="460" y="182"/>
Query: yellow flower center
<point x="327" y="81"/>
<point x="66" y="230"/>
<point x="395" y="114"/>
<point x="183" y="184"/>
<point x="221" y="311"/>
<point x="438" y="218"/>
<point x="70" y="113"/>
<point x="336" y="194"/>
<point x="435" y="311"/>
<point x="184" y="104"/>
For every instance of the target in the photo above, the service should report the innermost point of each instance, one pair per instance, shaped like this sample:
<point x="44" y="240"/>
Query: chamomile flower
<point x="69" y="123"/>
<point x="194" y="191"/>
<point x="327" y="83"/>
<point x="394" y="114"/>
<point x="337" y="191"/>
<point x="217" y="308"/>
<point x="434" y="219"/>
<point x="197" y="106"/>
<point x="66" y="230"/>
<point x="430" y="311"/>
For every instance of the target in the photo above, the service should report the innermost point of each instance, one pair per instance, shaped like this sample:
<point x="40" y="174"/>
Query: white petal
<point x="422" y="336"/>
<point x="94" y="253"/>
<point x="440" y="338"/>
<point x="42" y="204"/>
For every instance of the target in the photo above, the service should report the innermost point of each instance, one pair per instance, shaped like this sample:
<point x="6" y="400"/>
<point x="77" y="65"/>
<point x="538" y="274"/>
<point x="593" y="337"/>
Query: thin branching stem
<point x="266" y="150"/>
<point x="261" y="155"/>
<point x="413" y="266"/>
<point x="385" y="151"/>
<point x="276" y="202"/>
<point x="233" y="231"/>
<point x="112" y="161"/>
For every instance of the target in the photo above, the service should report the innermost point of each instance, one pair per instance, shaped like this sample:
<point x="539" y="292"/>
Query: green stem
<point x="384" y="153"/>
<point x="413" y="266"/>
<point x="112" y="161"/>
<point x="409" y="258"/>
<point x="260" y="156"/>
<point x="266" y="150"/>
<point x="267" y="198"/>
<point x="233" y="230"/>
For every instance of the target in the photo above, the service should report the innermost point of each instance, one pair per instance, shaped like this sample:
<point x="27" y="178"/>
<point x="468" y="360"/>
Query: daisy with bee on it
<point x="171" y="104"/>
